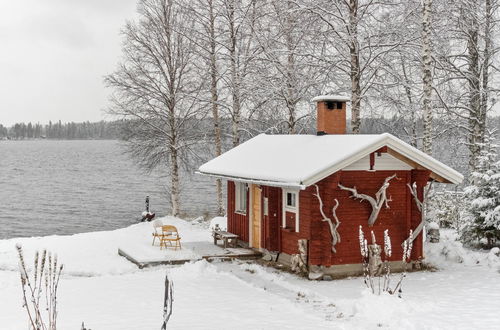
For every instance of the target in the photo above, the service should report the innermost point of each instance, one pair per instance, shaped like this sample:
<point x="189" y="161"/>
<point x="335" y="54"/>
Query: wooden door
<point x="270" y="219"/>
<point x="256" y="215"/>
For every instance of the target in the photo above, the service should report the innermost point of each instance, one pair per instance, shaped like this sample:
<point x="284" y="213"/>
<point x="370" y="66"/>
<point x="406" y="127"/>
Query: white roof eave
<point x="425" y="160"/>
<point x="400" y="147"/>
<point x="293" y="185"/>
<point x="344" y="163"/>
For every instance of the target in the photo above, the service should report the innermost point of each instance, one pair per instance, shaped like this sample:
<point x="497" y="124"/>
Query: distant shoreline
<point x="53" y="139"/>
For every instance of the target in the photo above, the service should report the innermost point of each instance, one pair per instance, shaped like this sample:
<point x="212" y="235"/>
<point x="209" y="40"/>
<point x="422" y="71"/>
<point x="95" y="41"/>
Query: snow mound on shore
<point x="94" y="253"/>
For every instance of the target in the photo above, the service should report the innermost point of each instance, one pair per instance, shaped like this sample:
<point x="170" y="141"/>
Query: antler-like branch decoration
<point x="377" y="202"/>
<point x="333" y="226"/>
<point x="421" y="208"/>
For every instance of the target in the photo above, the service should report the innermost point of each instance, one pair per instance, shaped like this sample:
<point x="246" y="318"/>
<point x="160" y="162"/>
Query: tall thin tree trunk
<point x="291" y="102"/>
<point x="355" y="68"/>
<point x="214" y="102"/>
<point x="474" y="86"/>
<point x="427" y="75"/>
<point x="174" y="181"/>
<point x="487" y="53"/>
<point x="413" y="117"/>
<point x="235" y="79"/>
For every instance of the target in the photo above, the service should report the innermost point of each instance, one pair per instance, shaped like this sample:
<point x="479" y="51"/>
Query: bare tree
<point x="239" y="19"/>
<point x="356" y="37"/>
<point x="205" y="35"/>
<point x="155" y="86"/>
<point x="287" y="74"/>
<point x="467" y="93"/>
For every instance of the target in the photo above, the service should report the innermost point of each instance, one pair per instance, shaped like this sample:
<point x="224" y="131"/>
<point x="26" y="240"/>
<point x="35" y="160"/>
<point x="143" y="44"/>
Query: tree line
<point x="252" y="66"/>
<point x="63" y="131"/>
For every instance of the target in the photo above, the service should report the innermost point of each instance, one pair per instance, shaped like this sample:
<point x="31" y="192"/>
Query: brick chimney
<point x="331" y="114"/>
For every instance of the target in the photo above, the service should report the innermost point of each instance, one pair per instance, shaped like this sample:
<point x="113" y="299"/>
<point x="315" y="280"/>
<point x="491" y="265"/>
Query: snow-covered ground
<point x="108" y="292"/>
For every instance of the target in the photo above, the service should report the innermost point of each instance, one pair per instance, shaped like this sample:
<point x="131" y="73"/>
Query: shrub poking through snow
<point x="168" y="302"/>
<point x="84" y="328"/>
<point x="377" y="273"/>
<point x="46" y="274"/>
<point x="407" y="247"/>
<point x="363" y="246"/>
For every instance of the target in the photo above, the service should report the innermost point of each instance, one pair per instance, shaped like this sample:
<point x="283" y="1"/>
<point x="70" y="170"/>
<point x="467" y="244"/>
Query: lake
<point x="65" y="187"/>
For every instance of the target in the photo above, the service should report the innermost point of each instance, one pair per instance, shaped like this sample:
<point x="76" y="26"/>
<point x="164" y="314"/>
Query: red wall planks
<point x="236" y="223"/>
<point x="354" y="213"/>
<point x="401" y="216"/>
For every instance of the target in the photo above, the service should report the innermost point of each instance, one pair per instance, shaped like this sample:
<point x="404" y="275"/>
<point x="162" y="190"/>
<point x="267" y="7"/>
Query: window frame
<point x="291" y="209"/>
<point x="238" y="189"/>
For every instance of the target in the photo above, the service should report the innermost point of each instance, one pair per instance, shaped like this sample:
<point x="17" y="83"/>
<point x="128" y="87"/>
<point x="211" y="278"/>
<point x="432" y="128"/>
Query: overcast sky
<point x="54" y="54"/>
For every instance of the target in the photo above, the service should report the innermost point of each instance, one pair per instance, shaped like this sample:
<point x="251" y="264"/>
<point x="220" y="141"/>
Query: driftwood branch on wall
<point x="333" y="226"/>
<point x="421" y="208"/>
<point x="377" y="203"/>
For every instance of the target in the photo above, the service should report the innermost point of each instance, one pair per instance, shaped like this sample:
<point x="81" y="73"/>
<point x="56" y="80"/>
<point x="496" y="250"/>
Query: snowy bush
<point x="445" y="208"/>
<point x="481" y="219"/>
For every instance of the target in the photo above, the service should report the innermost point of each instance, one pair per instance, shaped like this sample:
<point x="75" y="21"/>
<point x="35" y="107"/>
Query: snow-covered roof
<point x="335" y="97"/>
<point x="302" y="160"/>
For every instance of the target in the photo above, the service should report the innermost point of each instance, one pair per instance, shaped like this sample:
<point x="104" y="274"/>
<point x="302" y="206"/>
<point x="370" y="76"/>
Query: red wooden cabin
<point x="272" y="180"/>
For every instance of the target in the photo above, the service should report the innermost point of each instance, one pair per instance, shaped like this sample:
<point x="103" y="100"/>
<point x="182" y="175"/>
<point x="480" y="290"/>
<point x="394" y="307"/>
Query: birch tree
<point x="205" y="35"/>
<point x="355" y="40"/>
<point x="286" y="73"/>
<point x="155" y="87"/>
<point x="427" y="75"/>
<point x="238" y="41"/>
<point x="405" y="81"/>
<point x="467" y="92"/>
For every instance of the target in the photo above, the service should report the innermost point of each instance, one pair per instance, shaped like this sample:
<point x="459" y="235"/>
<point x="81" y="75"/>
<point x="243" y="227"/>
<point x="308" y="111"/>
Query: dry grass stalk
<point x="367" y="252"/>
<point x="46" y="275"/>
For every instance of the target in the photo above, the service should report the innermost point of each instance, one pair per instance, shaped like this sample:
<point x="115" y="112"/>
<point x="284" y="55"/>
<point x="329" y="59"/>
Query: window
<point x="291" y="200"/>
<point x="241" y="198"/>
<point x="291" y="209"/>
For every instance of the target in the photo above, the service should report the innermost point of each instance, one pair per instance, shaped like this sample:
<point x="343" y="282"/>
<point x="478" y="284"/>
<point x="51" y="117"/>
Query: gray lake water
<point x="64" y="187"/>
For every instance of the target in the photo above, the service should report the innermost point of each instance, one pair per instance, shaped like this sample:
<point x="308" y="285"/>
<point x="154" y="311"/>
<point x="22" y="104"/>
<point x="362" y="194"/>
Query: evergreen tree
<point x="481" y="218"/>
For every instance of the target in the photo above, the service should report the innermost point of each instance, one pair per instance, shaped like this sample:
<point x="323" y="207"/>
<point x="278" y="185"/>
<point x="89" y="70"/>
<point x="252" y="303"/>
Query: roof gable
<point x="302" y="160"/>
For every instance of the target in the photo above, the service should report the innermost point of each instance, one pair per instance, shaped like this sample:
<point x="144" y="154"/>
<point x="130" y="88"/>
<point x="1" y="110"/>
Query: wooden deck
<point x="148" y="256"/>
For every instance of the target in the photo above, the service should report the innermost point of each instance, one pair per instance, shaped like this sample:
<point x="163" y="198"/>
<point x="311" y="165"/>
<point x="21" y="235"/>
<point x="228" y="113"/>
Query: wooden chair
<point x="171" y="236"/>
<point x="157" y="232"/>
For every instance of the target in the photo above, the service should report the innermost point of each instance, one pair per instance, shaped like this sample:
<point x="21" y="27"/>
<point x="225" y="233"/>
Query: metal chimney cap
<point x="332" y="98"/>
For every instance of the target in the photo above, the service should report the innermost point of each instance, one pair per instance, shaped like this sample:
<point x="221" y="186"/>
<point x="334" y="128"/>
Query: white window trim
<point x="237" y="190"/>
<point x="286" y="208"/>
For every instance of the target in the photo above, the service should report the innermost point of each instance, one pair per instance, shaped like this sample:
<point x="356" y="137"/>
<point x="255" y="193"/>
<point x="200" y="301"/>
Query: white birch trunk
<point x="474" y="85"/>
<point x="215" y="99"/>
<point x="174" y="182"/>
<point x="355" y="73"/>
<point x="235" y="79"/>
<point x="427" y="75"/>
